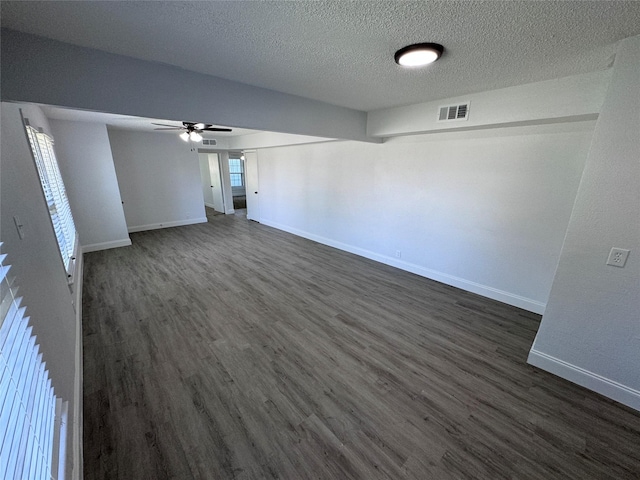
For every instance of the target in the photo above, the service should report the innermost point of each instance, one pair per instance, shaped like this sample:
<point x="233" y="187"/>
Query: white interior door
<point x="251" y="174"/>
<point x="205" y="175"/>
<point x="216" y="182"/>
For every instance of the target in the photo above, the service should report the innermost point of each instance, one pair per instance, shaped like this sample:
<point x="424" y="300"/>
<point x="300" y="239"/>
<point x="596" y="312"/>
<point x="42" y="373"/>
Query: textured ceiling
<point x="341" y="52"/>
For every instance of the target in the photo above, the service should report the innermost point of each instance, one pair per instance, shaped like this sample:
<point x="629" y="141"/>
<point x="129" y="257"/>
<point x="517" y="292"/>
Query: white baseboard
<point x="94" y="247"/>
<point x="210" y="205"/>
<point x="155" y="226"/>
<point x="484" y="290"/>
<point x="592" y="381"/>
<point x="76" y="465"/>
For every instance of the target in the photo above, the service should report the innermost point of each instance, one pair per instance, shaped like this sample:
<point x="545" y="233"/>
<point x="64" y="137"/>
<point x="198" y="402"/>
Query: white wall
<point x="37" y="264"/>
<point x="159" y="178"/>
<point x="86" y="163"/>
<point x="485" y="211"/>
<point x="590" y="332"/>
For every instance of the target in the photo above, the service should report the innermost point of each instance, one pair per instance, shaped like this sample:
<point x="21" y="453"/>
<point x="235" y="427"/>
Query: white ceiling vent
<point x="454" y="112"/>
<point x="211" y="142"/>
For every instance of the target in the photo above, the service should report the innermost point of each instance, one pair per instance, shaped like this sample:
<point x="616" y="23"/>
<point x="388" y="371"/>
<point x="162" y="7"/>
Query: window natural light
<point x="236" y="171"/>
<point x="55" y="194"/>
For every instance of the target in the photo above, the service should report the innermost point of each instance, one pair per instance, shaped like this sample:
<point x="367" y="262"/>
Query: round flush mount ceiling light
<point x="419" y="54"/>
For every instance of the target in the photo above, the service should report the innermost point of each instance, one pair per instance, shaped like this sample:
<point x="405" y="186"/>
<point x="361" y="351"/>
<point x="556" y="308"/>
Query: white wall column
<point x="590" y="332"/>
<point x="86" y="163"/>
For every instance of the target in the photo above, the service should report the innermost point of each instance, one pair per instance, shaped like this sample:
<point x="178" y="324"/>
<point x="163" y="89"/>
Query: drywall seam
<point x="467" y="285"/>
<point x="585" y="378"/>
<point x="94" y="247"/>
<point x="177" y="223"/>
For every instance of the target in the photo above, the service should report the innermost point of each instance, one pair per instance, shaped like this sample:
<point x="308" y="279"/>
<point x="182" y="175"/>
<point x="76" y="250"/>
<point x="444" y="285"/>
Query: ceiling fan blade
<point x="170" y="128"/>
<point x="165" y="125"/>
<point x="214" y="129"/>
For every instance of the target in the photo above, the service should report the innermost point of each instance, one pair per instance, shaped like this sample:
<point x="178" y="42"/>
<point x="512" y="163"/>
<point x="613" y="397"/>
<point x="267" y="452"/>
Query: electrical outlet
<point x="398" y="254"/>
<point x="618" y="257"/>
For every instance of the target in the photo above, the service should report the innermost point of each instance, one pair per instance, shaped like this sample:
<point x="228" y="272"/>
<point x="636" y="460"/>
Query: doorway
<point x="237" y="179"/>
<point x="212" y="190"/>
<point x="252" y="183"/>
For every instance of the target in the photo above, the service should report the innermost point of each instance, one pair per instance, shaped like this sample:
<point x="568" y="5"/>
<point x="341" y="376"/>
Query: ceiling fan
<point x="192" y="130"/>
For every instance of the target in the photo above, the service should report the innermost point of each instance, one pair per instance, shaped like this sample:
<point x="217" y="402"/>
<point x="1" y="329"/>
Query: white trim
<point x="177" y="223"/>
<point x="484" y="290"/>
<point x="72" y="270"/>
<point x="76" y="427"/>
<point x="224" y="213"/>
<point x="62" y="419"/>
<point x="602" y="385"/>
<point x="94" y="247"/>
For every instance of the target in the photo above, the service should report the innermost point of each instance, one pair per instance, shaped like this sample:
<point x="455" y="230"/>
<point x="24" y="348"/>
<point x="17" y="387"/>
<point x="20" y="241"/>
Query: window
<point x="32" y="419"/>
<point x="54" y="193"/>
<point x="236" y="171"/>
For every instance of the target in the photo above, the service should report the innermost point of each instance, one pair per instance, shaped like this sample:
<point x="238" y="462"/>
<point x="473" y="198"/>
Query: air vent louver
<point x="454" y="112"/>
<point x="209" y="142"/>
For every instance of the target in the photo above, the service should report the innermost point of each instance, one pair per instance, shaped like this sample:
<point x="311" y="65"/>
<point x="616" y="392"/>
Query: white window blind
<point x="55" y="194"/>
<point x="29" y="429"/>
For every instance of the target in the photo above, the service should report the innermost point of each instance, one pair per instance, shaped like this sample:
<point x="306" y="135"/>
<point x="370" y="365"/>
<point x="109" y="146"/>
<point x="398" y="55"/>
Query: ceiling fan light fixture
<point x="419" y="54"/>
<point x="191" y="131"/>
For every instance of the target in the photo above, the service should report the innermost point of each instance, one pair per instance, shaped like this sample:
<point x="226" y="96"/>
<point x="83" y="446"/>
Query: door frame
<point x="252" y="184"/>
<point x="223" y="162"/>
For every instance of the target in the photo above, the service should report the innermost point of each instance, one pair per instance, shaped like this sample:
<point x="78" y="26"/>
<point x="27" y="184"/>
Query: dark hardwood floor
<point x="210" y="212"/>
<point x="230" y="350"/>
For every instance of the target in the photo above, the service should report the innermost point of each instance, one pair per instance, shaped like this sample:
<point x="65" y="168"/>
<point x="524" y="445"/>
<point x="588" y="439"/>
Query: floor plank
<point x="230" y="350"/>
